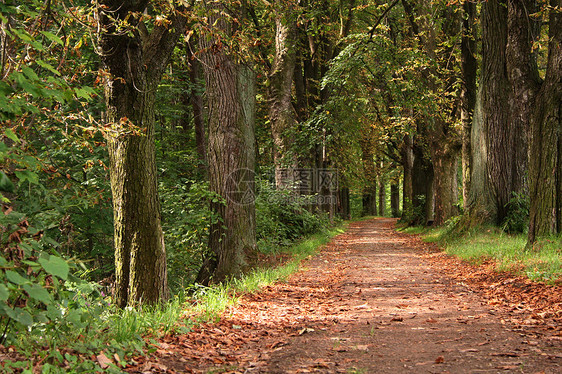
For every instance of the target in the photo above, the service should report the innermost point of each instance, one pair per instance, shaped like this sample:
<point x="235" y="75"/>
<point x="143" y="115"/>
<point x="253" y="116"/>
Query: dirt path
<point x="373" y="301"/>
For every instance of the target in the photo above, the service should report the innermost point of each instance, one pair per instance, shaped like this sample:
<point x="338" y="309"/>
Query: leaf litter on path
<point x="378" y="301"/>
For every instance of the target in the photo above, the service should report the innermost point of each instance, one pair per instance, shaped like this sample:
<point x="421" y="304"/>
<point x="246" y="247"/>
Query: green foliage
<point x="283" y="216"/>
<point x="186" y="218"/>
<point x="517" y="217"/>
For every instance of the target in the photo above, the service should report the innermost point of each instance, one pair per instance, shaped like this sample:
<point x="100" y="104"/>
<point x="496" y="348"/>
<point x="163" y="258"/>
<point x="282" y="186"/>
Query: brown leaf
<point x="440" y="360"/>
<point x="103" y="360"/>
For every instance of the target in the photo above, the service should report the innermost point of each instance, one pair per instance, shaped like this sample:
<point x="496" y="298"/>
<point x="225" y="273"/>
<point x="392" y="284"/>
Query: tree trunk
<point x="469" y="68"/>
<point x="281" y="112"/>
<point x="231" y="99"/>
<point x="503" y="135"/>
<point x="134" y="62"/>
<point x="422" y="188"/>
<point x="370" y="187"/>
<point x="545" y="169"/>
<point x="344" y="206"/>
<point x="445" y="184"/>
<point x="443" y="137"/>
<point x="408" y="169"/>
<point x="196" y="100"/>
<point x="395" y="199"/>
<point x="382" y="195"/>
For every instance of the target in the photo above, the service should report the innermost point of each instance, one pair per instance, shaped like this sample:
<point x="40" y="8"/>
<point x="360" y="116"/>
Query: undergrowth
<point x="122" y="334"/>
<point x="542" y="262"/>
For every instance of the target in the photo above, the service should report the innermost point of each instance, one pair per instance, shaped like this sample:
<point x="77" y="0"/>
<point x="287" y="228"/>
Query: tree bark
<point x="469" y="68"/>
<point x="503" y="112"/>
<point x="344" y="206"/>
<point x="231" y="154"/>
<point x="196" y="101"/>
<point x="382" y="192"/>
<point x="545" y="169"/>
<point x="445" y="184"/>
<point x="369" y="189"/>
<point x="422" y="187"/>
<point x="407" y="152"/>
<point x="395" y="199"/>
<point x="134" y="62"/>
<point x="443" y="137"/>
<point x="281" y="113"/>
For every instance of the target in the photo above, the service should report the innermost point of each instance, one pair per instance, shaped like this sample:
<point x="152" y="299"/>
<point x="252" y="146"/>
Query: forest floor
<point x="378" y="301"/>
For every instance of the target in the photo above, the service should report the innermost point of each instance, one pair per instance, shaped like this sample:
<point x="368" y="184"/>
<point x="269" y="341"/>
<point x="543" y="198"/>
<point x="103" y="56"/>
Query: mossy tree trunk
<point x="545" y="169"/>
<point x="231" y="92"/>
<point x="134" y="61"/>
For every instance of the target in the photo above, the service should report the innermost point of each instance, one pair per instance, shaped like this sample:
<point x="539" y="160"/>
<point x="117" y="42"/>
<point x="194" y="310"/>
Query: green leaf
<point x="6" y="184"/>
<point x="47" y="66"/>
<point x="52" y="37"/>
<point x="27" y="175"/>
<point x="4" y="293"/>
<point x="53" y="312"/>
<point x="16" y="278"/>
<point x="11" y="135"/>
<point x="23" y="317"/>
<point x="84" y="92"/>
<point x="30" y="73"/>
<point x="38" y="293"/>
<point x="55" y="266"/>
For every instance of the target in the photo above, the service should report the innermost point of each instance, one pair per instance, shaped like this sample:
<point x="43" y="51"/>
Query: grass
<point x="132" y="331"/>
<point x="211" y="301"/>
<point x="543" y="262"/>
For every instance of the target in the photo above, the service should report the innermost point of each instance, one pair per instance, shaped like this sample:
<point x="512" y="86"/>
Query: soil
<point x="378" y="301"/>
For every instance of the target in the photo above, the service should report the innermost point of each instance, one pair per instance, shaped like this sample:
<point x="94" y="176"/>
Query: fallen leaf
<point x="306" y="330"/>
<point x="364" y="348"/>
<point x="103" y="360"/>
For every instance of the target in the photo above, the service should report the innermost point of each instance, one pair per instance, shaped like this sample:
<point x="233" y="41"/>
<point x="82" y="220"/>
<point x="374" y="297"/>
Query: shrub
<point x="282" y="216"/>
<point x="517" y="218"/>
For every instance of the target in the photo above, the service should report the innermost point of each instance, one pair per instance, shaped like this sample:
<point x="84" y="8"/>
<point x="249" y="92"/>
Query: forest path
<point x="373" y="301"/>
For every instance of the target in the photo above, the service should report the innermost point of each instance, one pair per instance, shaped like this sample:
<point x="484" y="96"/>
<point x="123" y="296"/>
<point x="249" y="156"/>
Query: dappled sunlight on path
<point x="372" y="302"/>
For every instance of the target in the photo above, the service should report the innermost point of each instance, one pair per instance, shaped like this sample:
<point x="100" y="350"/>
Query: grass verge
<point x="509" y="253"/>
<point x="110" y="338"/>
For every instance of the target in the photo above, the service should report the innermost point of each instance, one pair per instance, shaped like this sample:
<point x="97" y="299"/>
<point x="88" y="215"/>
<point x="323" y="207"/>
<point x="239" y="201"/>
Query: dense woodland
<point x="147" y="145"/>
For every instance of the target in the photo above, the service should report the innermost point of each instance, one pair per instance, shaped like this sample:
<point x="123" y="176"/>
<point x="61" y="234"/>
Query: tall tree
<point x="508" y="85"/>
<point x="134" y="60"/>
<point x="443" y="136"/>
<point x="545" y="169"/>
<point x="231" y="93"/>
<point x="281" y="112"/>
<point x="469" y="68"/>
